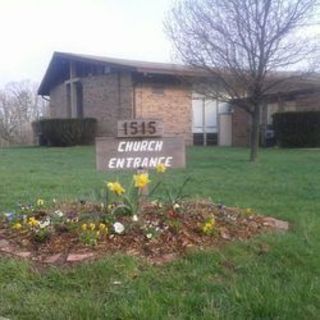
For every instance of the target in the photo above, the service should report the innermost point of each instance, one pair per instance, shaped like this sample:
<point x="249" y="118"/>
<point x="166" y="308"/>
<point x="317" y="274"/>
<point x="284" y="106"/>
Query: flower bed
<point x="125" y="221"/>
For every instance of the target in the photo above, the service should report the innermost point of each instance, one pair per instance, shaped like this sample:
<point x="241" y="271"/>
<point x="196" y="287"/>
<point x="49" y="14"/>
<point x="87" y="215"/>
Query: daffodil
<point x="116" y="187"/>
<point x="141" y="180"/>
<point x="161" y="168"/>
<point x="92" y="226"/>
<point x="17" y="226"/>
<point x="40" y="202"/>
<point x="84" y="227"/>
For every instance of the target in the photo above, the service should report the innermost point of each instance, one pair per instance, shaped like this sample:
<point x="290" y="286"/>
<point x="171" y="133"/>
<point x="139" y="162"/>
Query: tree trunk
<point x="255" y="134"/>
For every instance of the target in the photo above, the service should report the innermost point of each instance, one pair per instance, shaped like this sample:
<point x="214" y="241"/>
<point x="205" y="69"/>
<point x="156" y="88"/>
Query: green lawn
<point x="240" y="281"/>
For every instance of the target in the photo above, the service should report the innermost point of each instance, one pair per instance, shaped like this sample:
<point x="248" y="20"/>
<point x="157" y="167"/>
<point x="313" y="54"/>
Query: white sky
<point x="30" y="30"/>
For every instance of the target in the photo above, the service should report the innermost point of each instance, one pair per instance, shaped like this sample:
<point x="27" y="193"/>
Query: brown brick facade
<point x="58" y="102"/>
<point x="113" y="96"/>
<point x="172" y="104"/>
<point x="105" y="97"/>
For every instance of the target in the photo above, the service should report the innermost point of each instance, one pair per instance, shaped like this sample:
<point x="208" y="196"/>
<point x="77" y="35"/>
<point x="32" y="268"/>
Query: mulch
<point x="178" y="232"/>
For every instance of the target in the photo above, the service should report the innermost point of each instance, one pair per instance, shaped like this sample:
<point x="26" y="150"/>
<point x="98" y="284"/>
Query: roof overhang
<point x="60" y="62"/>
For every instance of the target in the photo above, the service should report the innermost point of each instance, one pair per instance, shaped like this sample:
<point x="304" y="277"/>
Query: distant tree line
<point x="19" y="106"/>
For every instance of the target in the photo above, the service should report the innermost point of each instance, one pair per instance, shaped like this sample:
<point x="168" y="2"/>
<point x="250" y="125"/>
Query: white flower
<point x="45" y="223"/>
<point x="176" y="206"/>
<point x="118" y="227"/>
<point x="149" y="235"/>
<point x="156" y="203"/>
<point x="135" y="218"/>
<point x="59" y="213"/>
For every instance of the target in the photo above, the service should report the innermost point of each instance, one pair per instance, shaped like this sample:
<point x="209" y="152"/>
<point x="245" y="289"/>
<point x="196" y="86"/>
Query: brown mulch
<point x="179" y="231"/>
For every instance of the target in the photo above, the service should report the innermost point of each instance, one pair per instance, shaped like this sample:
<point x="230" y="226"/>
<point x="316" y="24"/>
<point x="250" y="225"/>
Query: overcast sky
<point x="30" y="30"/>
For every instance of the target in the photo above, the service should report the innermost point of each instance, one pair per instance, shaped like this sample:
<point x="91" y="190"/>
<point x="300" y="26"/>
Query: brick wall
<point x="107" y="98"/>
<point x="58" y="102"/>
<point x="173" y="106"/>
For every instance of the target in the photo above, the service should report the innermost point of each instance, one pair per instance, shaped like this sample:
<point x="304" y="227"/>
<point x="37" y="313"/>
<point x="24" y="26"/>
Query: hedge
<point x="297" y="129"/>
<point x="65" y="132"/>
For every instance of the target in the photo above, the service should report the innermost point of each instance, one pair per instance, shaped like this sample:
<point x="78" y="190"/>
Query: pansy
<point x="40" y="202"/>
<point x="9" y="215"/>
<point x="59" y="213"/>
<point x="176" y="206"/>
<point x="118" y="227"/>
<point x="33" y="222"/>
<point x="45" y="223"/>
<point x="208" y="226"/>
<point x="17" y="226"/>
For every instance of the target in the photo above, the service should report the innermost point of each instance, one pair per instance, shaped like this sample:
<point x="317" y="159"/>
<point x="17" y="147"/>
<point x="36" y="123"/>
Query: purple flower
<point x="9" y="215"/>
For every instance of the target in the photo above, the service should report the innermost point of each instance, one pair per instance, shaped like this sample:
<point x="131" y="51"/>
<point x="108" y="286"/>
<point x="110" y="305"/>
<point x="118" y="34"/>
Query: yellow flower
<point x="84" y="227"/>
<point x="208" y="226"/>
<point x="33" y="222"/>
<point x="161" y="168"/>
<point x="248" y="212"/>
<point x="98" y="234"/>
<point x="141" y="180"/>
<point x="92" y="226"/>
<point x="116" y="187"/>
<point x="40" y="202"/>
<point x="102" y="227"/>
<point x="17" y="226"/>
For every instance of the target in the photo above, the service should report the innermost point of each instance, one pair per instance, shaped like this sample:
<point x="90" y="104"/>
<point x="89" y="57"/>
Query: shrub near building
<point x="65" y="132"/>
<point x="297" y="129"/>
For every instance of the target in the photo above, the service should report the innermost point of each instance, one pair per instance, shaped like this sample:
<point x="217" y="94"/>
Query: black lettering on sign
<point x="139" y="128"/>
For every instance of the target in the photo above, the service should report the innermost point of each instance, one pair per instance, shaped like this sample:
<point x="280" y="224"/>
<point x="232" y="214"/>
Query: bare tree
<point x="245" y="48"/>
<point x="19" y="106"/>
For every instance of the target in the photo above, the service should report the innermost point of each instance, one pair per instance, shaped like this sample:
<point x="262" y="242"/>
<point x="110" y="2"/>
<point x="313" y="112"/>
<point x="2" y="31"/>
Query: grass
<point x="240" y="281"/>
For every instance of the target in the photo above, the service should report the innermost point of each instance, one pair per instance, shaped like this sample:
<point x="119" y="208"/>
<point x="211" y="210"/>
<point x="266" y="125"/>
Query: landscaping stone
<point x="7" y="249"/>
<point x="276" y="224"/>
<point x="164" y="258"/>
<point x="75" y="257"/>
<point x="23" y="254"/>
<point x="4" y="243"/>
<point x="53" y="259"/>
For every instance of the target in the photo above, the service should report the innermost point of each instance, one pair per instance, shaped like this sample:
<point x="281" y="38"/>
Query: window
<point x="204" y="121"/>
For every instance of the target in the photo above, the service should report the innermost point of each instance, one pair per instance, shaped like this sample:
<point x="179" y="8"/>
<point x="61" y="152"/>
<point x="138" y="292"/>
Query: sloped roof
<point x="132" y="65"/>
<point x="59" y="64"/>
